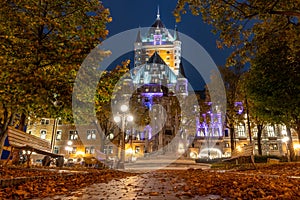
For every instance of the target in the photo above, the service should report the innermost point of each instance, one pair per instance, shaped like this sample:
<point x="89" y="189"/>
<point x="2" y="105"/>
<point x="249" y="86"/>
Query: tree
<point x="43" y="44"/>
<point x="104" y="97"/>
<point x="274" y="86"/>
<point x="232" y="82"/>
<point x="245" y="25"/>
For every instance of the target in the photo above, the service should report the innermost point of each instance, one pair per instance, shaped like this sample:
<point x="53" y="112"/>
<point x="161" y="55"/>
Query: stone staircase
<point x="154" y="162"/>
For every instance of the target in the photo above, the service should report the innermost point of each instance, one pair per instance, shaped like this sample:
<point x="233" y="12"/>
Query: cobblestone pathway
<point x="153" y="185"/>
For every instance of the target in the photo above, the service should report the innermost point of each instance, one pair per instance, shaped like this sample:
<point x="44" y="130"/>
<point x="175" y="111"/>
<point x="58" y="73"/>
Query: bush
<point x="264" y="159"/>
<point x="207" y="160"/>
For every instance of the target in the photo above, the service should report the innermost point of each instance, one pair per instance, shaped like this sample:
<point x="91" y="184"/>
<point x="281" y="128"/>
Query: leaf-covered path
<point x="198" y="184"/>
<point x="271" y="181"/>
<point x="159" y="185"/>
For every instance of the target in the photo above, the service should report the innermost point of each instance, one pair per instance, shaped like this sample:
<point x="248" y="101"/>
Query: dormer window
<point x="157" y="39"/>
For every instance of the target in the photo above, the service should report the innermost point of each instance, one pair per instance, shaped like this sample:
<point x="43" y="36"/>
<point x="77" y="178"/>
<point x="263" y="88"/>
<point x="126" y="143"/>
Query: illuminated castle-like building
<point x="159" y="77"/>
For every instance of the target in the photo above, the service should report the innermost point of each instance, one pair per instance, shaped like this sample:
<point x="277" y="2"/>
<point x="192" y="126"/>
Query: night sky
<point x="130" y="14"/>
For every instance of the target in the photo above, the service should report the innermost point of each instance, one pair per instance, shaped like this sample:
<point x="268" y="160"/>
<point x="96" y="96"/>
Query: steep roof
<point x="181" y="71"/>
<point x="176" y="35"/>
<point x="138" y="37"/>
<point x="158" y="23"/>
<point x="155" y="58"/>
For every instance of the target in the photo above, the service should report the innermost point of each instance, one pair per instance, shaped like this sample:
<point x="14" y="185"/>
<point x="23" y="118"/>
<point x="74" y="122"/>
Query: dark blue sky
<point x="130" y="14"/>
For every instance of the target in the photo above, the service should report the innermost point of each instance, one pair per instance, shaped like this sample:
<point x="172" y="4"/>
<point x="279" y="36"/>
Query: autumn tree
<point x="249" y="27"/>
<point x="233" y="93"/>
<point x="274" y="86"/>
<point x="43" y="44"/>
<point x="246" y="25"/>
<point x="109" y="85"/>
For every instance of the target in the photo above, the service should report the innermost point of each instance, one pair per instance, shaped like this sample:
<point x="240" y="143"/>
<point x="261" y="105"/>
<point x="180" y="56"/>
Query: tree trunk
<point x="232" y="134"/>
<point x="248" y="120"/>
<point x="290" y="144"/>
<point x="7" y="121"/>
<point x="2" y="140"/>
<point x="298" y="133"/>
<point x="22" y="122"/>
<point x="259" y="133"/>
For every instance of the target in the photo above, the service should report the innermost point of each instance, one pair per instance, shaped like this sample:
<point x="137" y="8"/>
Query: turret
<point x="177" y="51"/>
<point x="138" y="50"/>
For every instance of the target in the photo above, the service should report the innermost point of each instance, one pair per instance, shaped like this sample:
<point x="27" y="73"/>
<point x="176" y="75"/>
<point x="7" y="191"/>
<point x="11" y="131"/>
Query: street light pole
<point x="123" y="117"/>
<point x="122" y="142"/>
<point x="285" y="140"/>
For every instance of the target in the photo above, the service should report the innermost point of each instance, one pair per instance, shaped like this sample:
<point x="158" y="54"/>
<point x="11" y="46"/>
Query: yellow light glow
<point x="193" y="155"/>
<point x="129" y="151"/>
<point x="181" y="148"/>
<point x="238" y="148"/>
<point x="80" y="153"/>
<point x="296" y="146"/>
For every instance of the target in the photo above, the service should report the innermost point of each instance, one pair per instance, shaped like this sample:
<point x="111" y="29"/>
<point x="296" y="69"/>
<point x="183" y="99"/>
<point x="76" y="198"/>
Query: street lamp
<point x="69" y="148"/>
<point x="285" y="140"/>
<point x="123" y="117"/>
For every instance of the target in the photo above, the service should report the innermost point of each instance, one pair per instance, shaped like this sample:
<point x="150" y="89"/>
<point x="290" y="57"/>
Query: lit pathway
<point x="155" y="185"/>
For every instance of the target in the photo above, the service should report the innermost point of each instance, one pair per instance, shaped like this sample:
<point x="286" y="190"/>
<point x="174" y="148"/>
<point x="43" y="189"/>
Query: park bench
<point x="241" y="155"/>
<point x="19" y="140"/>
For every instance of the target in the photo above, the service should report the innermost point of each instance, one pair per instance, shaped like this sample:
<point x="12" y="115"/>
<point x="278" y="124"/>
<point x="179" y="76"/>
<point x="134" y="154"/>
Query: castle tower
<point x="158" y="39"/>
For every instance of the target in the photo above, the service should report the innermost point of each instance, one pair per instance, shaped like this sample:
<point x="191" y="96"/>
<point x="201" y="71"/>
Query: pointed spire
<point x="176" y="34"/>
<point x="158" y="15"/>
<point x="138" y="37"/>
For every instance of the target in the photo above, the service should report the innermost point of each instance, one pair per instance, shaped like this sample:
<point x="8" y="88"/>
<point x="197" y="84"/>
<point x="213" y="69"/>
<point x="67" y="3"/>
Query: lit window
<point x="108" y="149"/>
<point x="45" y="121"/>
<point x="201" y="132"/>
<point x="241" y="131"/>
<point x="137" y="149"/>
<point x="58" y="135"/>
<point x="254" y="131"/>
<point x="56" y="150"/>
<point x="74" y="150"/>
<point x="73" y="135"/>
<point x="110" y="136"/>
<point x="91" y="134"/>
<point x="182" y="88"/>
<point x="43" y="134"/>
<point x="90" y="150"/>
<point x="270" y="131"/>
<point x="283" y="130"/>
<point x="273" y="147"/>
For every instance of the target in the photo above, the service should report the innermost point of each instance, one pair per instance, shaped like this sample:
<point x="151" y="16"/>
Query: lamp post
<point x="122" y="117"/>
<point x="285" y="140"/>
<point x="69" y="148"/>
